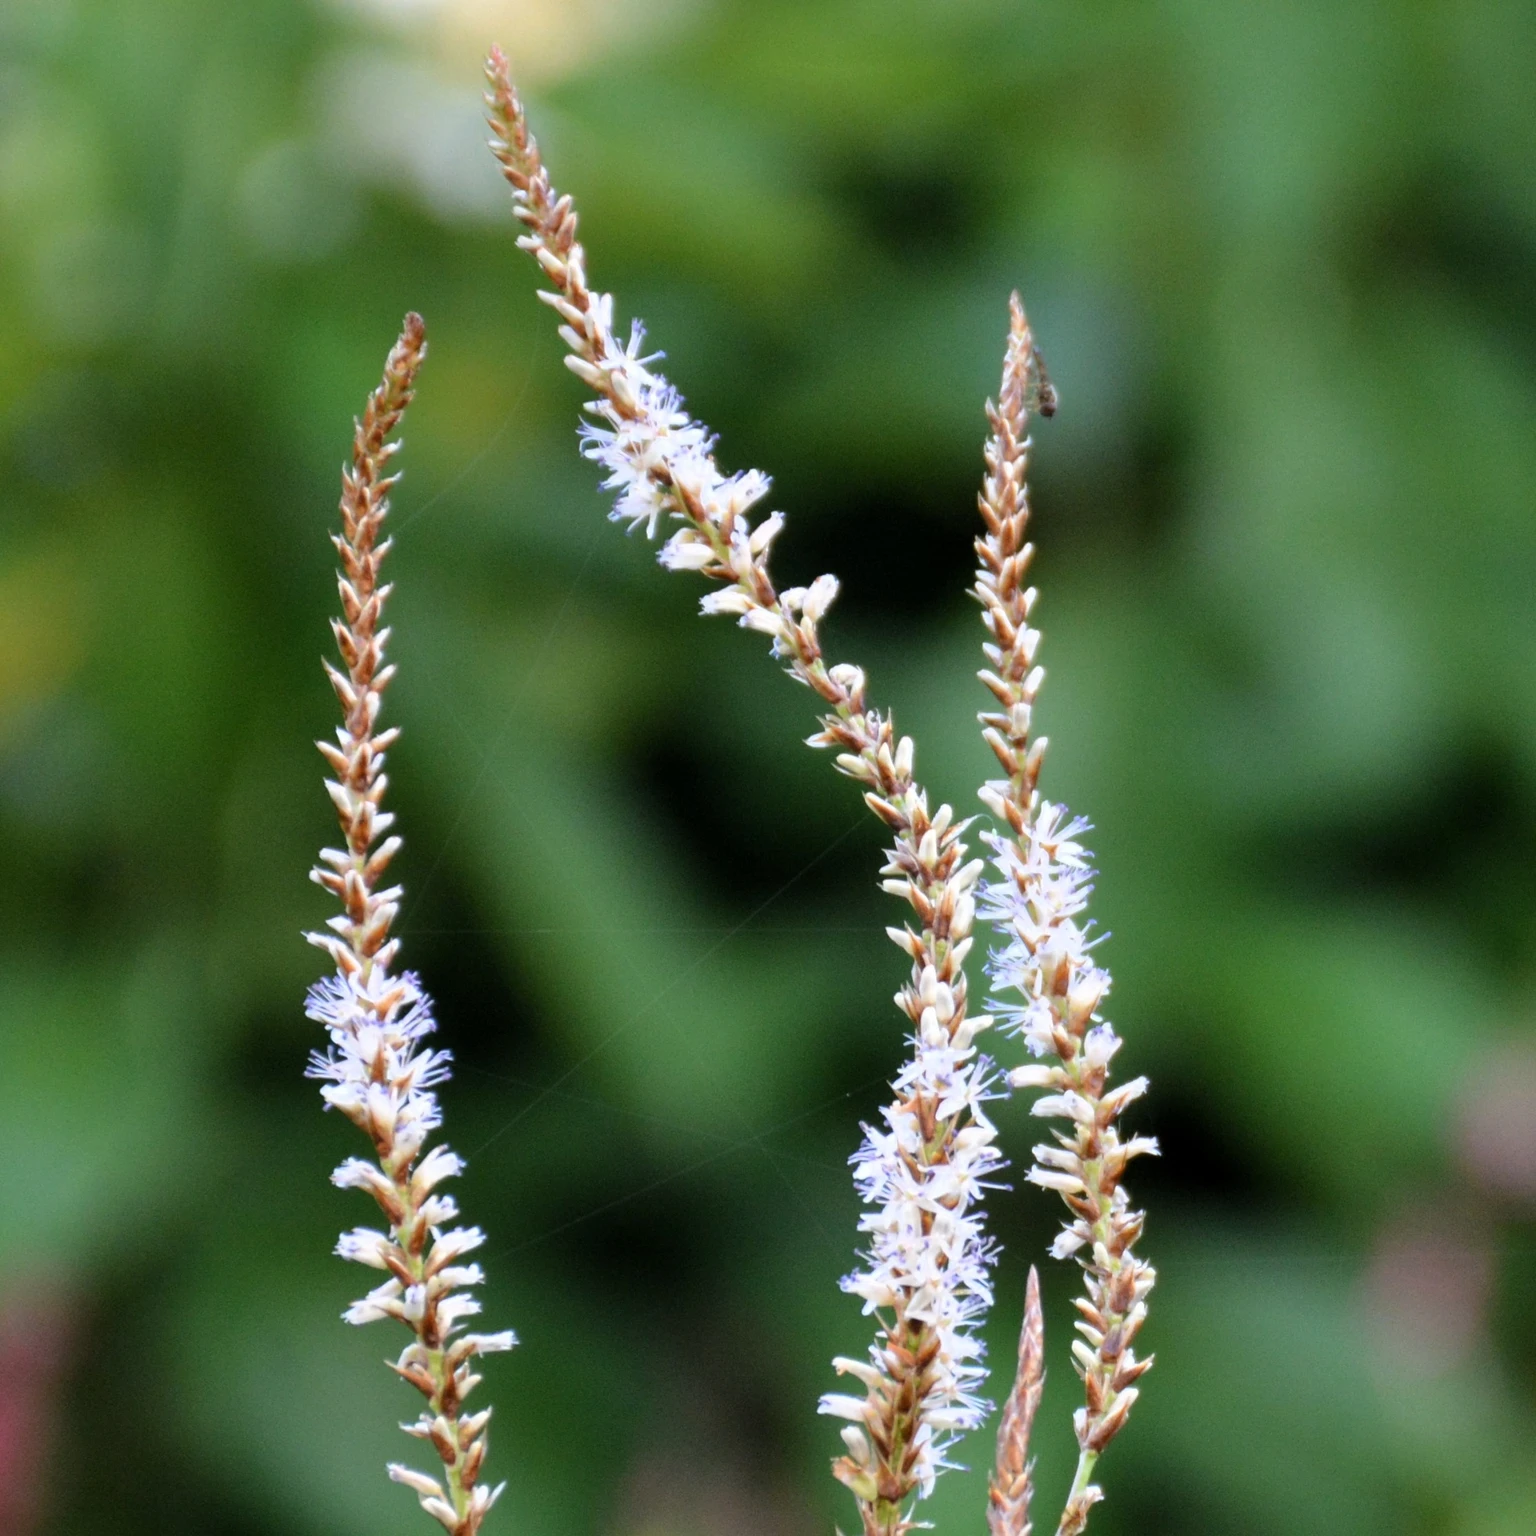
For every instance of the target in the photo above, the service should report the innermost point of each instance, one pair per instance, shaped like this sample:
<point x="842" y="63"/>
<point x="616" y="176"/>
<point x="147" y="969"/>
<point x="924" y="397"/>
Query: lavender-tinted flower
<point x="926" y="1264"/>
<point x="1048" y="986"/>
<point x="378" y="1070"/>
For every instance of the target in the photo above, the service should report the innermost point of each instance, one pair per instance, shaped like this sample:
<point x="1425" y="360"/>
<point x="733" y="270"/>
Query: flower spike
<point x="1048" y="987"/>
<point x="1011" y="1486"/>
<point x="378" y="1071"/>
<point x="925" y="1273"/>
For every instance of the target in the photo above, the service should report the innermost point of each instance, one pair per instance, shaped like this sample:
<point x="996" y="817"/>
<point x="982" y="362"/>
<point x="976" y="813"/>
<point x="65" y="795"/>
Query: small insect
<point x="1043" y="399"/>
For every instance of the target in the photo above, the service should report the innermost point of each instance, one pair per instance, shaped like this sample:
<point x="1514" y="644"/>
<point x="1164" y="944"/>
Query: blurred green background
<point x="1282" y="259"/>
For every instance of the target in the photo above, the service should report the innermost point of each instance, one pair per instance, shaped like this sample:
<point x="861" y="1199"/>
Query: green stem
<point x="1075" y="1516"/>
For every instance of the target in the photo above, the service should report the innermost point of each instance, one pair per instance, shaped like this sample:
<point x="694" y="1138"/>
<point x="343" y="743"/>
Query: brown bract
<point x="357" y="759"/>
<point x="1010" y="1488"/>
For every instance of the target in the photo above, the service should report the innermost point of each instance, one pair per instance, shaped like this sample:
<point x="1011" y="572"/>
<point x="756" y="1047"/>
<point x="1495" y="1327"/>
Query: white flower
<point x="685" y="551"/>
<point x="1100" y="1045"/>
<point x="453" y="1308"/>
<point x="660" y="437"/>
<point x="381" y="1302"/>
<point x="439" y="1164"/>
<point x="492" y="1343"/>
<point x="728" y="600"/>
<point x="364" y="1247"/>
<point x="455" y="1244"/>
<point x="841" y="1406"/>
<point x="928" y="1259"/>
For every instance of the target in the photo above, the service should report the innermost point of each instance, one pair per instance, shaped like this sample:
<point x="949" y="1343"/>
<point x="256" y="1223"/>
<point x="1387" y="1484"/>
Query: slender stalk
<point x="1049" y="989"/>
<point x="377" y="1072"/>
<point x="926" y="1266"/>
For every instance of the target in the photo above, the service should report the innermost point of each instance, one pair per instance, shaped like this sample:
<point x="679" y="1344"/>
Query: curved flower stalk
<point x="925" y="1275"/>
<point x="1048" y="987"/>
<point x="378" y="1072"/>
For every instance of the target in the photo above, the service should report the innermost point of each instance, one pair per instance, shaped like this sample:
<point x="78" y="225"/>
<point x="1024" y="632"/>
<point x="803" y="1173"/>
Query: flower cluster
<point x="926" y="1267"/>
<point x="1048" y="987"/>
<point x="927" y="1261"/>
<point x="658" y="460"/>
<point x="378" y="1071"/>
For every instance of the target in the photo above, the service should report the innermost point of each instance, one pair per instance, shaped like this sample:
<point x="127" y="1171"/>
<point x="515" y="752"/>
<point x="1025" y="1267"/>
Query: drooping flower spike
<point x="378" y="1070"/>
<point x="925" y="1271"/>
<point x="1047" y="986"/>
